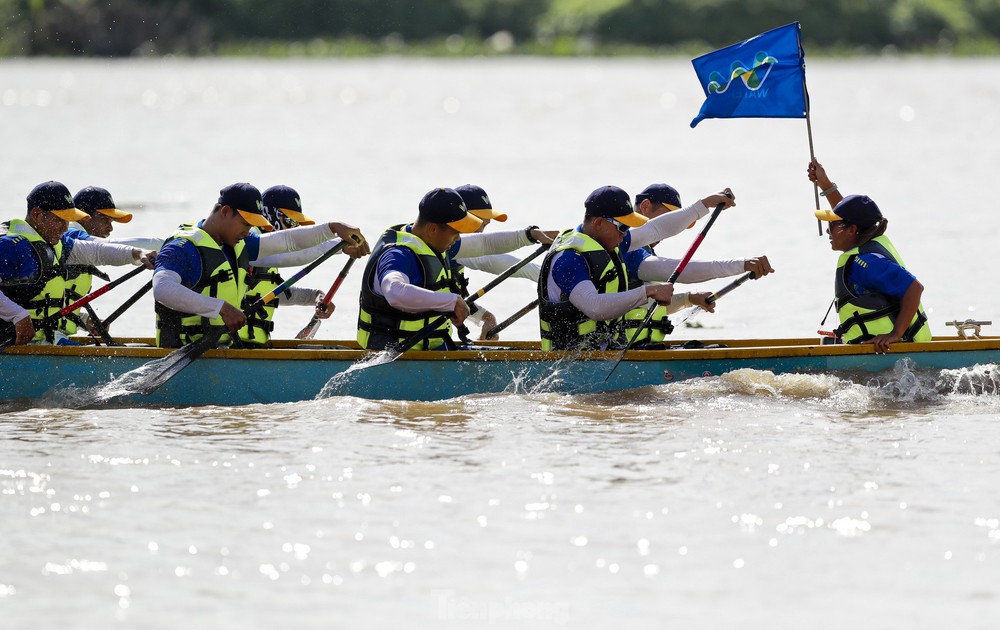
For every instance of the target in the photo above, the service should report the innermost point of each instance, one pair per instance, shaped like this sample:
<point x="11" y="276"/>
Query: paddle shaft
<point x="93" y="295"/>
<point x="426" y="331"/>
<point x="496" y="330"/>
<point x="128" y="303"/>
<point x="102" y="329"/>
<point x="301" y="273"/>
<point x="310" y="328"/>
<point x="731" y="286"/>
<point x="673" y="277"/>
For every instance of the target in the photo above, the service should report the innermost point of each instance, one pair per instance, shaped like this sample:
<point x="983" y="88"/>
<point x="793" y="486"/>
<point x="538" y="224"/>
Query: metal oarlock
<point x="970" y="324"/>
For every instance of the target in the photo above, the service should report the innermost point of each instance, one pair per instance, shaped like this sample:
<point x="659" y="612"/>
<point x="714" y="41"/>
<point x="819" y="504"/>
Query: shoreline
<point x="457" y="47"/>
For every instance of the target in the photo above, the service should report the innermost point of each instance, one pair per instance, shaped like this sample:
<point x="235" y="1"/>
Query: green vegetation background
<point x="464" y="27"/>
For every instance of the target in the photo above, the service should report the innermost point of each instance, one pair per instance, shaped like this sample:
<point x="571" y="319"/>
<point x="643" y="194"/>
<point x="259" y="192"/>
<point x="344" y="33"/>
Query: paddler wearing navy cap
<point x="34" y="255"/>
<point x="409" y="279"/>
<point x="877" y="298"/>
<point x="201" y="271"/>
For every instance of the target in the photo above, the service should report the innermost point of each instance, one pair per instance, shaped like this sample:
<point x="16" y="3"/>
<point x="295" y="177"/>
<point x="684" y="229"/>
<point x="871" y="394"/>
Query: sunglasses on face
<point x="618" y="224"/>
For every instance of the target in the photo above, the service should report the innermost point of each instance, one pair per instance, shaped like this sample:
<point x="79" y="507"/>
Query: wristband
<point x="527" y="233"/>
<point x="831" y="189"/>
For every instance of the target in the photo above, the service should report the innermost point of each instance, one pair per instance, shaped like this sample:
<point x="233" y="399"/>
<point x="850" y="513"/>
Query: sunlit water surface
<point x="746" y="500"/>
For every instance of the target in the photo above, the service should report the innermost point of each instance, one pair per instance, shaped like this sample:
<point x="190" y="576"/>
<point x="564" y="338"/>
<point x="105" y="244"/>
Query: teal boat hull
<point x="67" y="376"/>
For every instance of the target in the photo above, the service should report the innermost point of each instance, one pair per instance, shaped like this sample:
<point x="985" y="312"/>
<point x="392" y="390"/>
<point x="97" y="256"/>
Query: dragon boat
<point x="294" y="371"/>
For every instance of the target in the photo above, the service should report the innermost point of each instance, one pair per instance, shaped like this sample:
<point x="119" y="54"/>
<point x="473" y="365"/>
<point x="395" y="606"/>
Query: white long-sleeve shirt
<point x="666" y="225"/>
<point x="141" y="242"/>
<point x="657" y="269"/>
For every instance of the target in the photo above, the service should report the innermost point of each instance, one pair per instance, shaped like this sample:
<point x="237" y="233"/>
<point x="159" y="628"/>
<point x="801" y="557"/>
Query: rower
<point x="478" y="203"/>
<point x="98" y="203"/>
<point x="409" y="282"/>
<point x="878" y="300"/>
<point x="283" y="210"/>
<point x="583" y="286"/>
<point x="34" y="256"/>
<point x="643" y="265"/>
<point x="201" y="271"/>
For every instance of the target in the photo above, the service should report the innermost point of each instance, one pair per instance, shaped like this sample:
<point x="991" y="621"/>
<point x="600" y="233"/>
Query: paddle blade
<point x="154" y="374"/>
<point x="310" y="330"/>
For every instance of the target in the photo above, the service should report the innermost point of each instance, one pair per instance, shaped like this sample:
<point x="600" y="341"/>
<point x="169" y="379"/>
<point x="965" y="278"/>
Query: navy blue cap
<point x="478" y="202"/>
<point x="286" y="199"/>
<point x="859" y="210"/>
<point x="660" y="193"/>
<point x="444" y="205"/>
<point x="54" y="197"/>
<point x="95" y="200"/>
<point x="611" y="202"/>
<point x="245" y="199"/>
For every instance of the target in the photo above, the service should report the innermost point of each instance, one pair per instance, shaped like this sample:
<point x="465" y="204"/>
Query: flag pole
<point x="812" y="157"/>
<point x="809" y="129"/>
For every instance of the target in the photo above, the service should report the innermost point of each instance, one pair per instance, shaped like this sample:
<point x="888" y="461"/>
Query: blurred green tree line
<point x="193" y="27"/>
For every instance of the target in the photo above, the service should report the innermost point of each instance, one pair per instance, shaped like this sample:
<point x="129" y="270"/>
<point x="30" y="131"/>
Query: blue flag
<point x="762" y="77"/>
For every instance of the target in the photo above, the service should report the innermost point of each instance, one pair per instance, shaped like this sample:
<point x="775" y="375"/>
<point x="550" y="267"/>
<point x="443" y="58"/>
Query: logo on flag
<point x="752" y="78"/>
<point x="774" y="86"/>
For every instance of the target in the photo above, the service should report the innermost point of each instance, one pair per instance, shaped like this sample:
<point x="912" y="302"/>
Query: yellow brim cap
<point x="633" y="219"/>
<point x="826" y="215"/>
<point x="489" y="213"/>
<point x="467" y="224"/>
<point x="115" y="214"/>
<point x="70" y="214"/>
<point x="256" y="220"/>
<point x="297" y="216"/>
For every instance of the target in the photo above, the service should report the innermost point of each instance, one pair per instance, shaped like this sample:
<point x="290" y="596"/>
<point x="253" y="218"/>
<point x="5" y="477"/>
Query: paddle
<point x="715" y="296"/>
<point x="310" y="330"/>
<point x="496" y="330"/>
<point x="427" y="330"/>
<point x="731" y="286"/>
<point x="102" y="329"/>
<point x="127" y="304"/>
<point x="673" y="277"/>
<point x="170" y="365"/>
<point x="87" y="299"/>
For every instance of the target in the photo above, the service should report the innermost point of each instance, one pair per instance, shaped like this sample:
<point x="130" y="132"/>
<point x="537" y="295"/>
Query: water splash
<point x="763" y="382"/>
<point x="71" y="397"/>
<point x="905" y="384"/>
<point x="552" y="379"/>
<point x="340" y="380"/>
<point x="978" y="380"/>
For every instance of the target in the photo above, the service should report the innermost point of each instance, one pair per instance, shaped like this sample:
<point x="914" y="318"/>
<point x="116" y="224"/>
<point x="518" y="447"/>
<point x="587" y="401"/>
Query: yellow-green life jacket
<point x="47" y="294"/>
<point x="659" y="324"/>
<point x="219" y="279"/>
<point x="862" y="317"/>
<point x="380" y="324"/>
<point x="563" y="326"/>
<point x="260" y="322"/>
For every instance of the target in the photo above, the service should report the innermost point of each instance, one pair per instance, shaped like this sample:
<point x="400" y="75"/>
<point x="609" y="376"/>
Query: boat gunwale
<point x="520" y="351"/>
